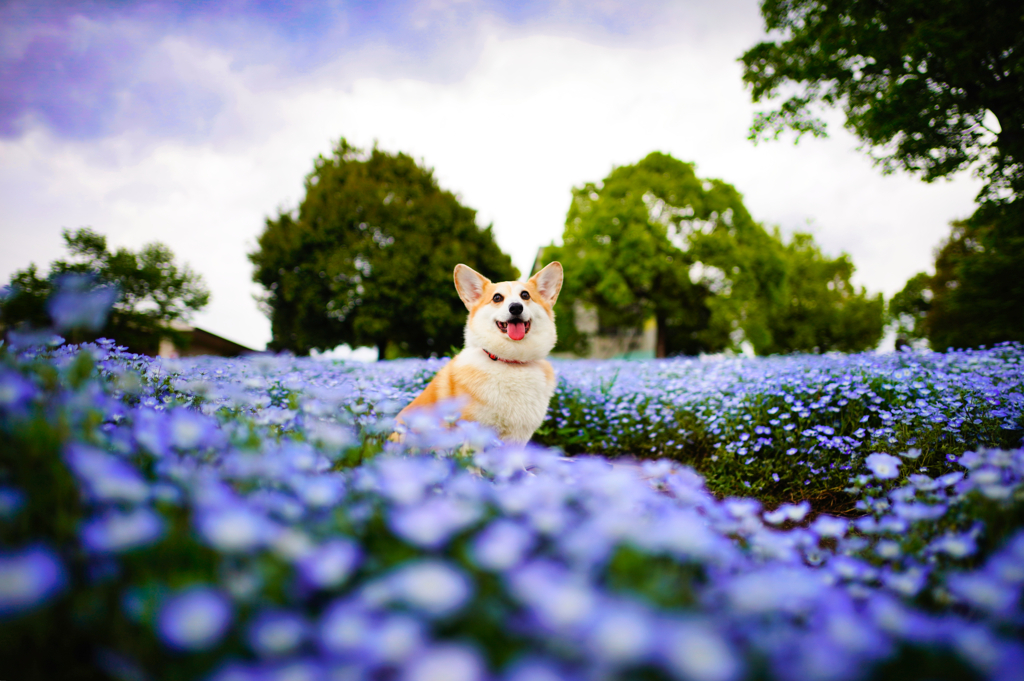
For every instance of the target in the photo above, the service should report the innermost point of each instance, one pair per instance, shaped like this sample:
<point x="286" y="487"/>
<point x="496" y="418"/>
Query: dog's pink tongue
<point x="516" y="330"/>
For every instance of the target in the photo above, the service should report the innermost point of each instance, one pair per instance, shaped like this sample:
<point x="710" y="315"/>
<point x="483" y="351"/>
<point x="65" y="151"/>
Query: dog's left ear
<point x="549" y="282"/>
<point x="470" y="284"/>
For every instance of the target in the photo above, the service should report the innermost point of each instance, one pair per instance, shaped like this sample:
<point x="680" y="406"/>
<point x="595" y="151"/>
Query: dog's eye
<point x="498" y="298"/>
<point x="525" y="295"/>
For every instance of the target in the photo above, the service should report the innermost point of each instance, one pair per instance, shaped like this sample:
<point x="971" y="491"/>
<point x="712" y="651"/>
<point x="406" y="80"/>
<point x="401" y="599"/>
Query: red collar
<point x="495" y="358"/>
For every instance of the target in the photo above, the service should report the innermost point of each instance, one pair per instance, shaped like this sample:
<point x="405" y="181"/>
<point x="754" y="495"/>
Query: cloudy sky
<point x="190" y="122"/>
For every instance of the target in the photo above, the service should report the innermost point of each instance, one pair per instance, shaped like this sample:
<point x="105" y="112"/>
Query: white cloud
<point x="536" y="115"/>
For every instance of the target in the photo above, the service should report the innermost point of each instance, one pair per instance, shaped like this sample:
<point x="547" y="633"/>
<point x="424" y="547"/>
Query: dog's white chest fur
<point x="514" y="398"/>
<point x="502" y="377"/>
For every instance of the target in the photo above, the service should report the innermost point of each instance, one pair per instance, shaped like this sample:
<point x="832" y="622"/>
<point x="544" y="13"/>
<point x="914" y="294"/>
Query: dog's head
<point x="511" y="319"/>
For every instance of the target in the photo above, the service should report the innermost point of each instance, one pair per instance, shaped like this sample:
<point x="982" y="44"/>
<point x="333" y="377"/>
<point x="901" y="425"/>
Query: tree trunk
<point x="382" y="347"/>
<point x="659" y="344"/>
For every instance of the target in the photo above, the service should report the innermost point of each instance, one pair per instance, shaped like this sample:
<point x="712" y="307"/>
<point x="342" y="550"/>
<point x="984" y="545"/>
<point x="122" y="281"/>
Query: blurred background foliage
<point x="153" y="293"/>
<point x="653" y="240"/>
<point x="976" y="296"/>
<point x="367" y="259"/>
<point x="931" y="88"/>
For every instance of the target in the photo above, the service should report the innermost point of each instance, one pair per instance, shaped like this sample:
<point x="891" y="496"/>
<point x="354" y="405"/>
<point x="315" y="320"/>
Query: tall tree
<point x="367" y="258"/>
<point x="908" y="309"/>
<point x="976" y="296"/>
<point x="621" y="253"/>
<point x="654" y="241"/>
<point x="820" y="309"/>
<point x="153" y="292"/>
<point x="931" y="86"/>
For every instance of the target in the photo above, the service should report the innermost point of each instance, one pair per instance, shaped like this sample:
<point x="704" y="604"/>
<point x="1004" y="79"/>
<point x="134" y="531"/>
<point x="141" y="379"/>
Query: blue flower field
<point x="801" y="518"/>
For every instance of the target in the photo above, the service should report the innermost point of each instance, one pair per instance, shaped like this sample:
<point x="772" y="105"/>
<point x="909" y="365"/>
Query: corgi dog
<point x="501" y="374"/>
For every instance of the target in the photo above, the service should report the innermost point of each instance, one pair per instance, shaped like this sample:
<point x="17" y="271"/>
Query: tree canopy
<point x="654" y="241"/>
<point x="820" y="308"/>
<point x="931" y="86"/>
<point x="152" y="292"/>
<point x="976" y="296"/>
<point x="367" y="258"/>
<point x="908" y="309"/>
<point x="619" y="257"/>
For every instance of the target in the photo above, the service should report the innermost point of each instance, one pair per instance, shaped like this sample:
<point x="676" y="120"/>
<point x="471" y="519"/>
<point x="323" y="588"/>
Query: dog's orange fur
<point x="509" y="394"/>
<point x="465" y="382"/>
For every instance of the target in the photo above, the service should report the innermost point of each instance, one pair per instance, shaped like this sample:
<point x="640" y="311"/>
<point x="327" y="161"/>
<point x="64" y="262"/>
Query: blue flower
<point x="955" y="545"/>
<point x="106" y="477"/>
<point x="827" y="526"/>
<point x="345" y="628"/>
<point x="80" y="302"/>
<point x="775" y="589"/>
<point x="234" y="528"/>
<point x="431" y="523"/>
<point x="406" y="480"/>
<point x="332" y="437"/>
<point x="980" y="646"/>
<point x="395" y="638"/>
<point x="189" y="430"/>
<point x="446" y="662"/>
<point x="794" y="605"/>
<point x="888" y="549"/>
<point x="696" y="650"/>
<point x="883" y="466"/>
<point x="502" y="545"/>
<point x="621" y="633"/>
<point x="536" y="669"/>
<point x="917" y="512"/>
<point x="330" y="564"/>
<point x="276" y="632"/>
<point x="431" y="586"/>
<point x="26" y="340"/>
<point x="558" y="599"/>
<point x="116" y="531"/>
<point x="15" y="390"/>
<point x="906" y="583"/>
<point x="985" y="592"/>
<point x="194" y="619"/>
<point x="788" y="512"/>
<point x="320" y="491"/>
<point x="11" y="501"/>
<point x="29" y="578"/>
<point x="892" y="616"/>
<point x="151" y="430"/>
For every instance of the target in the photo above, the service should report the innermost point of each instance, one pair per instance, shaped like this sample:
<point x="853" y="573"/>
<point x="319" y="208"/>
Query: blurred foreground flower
<point x="15" y="391"/>
<point x="434" y="587"/>
<point x="195" y="619"/>
<point x="28" y="578"/>
<point x="117" y="531"/>
<point x="81" y="302"/>
<point x="276" y="632"/>
<point x="883" y="466"/>
<point x="451" y="662"/>
<point x="500" y="562"/>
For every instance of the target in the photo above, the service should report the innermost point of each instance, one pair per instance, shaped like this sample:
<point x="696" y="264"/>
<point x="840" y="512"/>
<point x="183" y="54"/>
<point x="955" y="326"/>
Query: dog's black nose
<point x="516" y="308"/>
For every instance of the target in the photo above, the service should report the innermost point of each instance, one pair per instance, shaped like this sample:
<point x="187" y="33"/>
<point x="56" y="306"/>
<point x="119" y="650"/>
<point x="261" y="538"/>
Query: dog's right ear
<point x="470" y="284"/>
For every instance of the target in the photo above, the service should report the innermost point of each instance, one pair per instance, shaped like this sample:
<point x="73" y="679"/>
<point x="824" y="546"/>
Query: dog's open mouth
<point x="515" y="328"/>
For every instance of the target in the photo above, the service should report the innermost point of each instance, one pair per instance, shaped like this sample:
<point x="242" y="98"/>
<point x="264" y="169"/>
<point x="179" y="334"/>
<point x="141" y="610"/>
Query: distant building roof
<point x="203" y="342"/>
